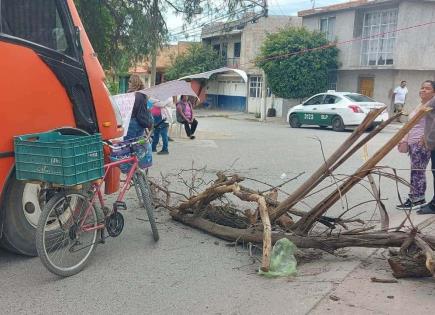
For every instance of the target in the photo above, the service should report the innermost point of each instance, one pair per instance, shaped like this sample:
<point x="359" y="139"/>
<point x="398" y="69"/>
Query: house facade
<point x="381" y="42"/>
<point x="163" y="62"/>
<point x="239" y="43"/>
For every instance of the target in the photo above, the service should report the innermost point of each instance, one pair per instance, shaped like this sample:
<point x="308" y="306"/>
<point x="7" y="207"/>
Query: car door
<point x="328" y="109"/>
<point x="307" y="115"/>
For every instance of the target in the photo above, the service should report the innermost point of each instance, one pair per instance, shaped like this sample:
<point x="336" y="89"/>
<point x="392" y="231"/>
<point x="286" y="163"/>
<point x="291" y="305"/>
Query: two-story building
<point x="381" y="42"/>
<point x="239" y="42"/>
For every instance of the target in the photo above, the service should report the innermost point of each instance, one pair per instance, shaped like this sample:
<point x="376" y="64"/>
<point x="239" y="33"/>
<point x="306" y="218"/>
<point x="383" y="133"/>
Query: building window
<point x="332" y="80"/>
<point x="327" y="26"/>
<point x="255" y="86"/>
<point x="217" y="48"/>
<point x="236" y="50"/>
<point x="378" y="38"/>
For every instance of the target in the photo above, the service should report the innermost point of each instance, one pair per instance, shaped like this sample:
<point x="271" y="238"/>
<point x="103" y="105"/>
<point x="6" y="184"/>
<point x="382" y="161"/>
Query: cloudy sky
<point x="276" y="7"/>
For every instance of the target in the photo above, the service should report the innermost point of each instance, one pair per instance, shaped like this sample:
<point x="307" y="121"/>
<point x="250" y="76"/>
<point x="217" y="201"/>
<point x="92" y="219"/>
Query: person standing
<point x="413" y="144"/>
<point x="135" y="129"/>
<point x="160" y="116"/>
<point x="185" y="116"/>
<point x="399" y="98"/>
<point x="429" y="139"/>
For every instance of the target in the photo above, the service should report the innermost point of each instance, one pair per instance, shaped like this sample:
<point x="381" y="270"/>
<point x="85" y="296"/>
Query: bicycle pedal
<point x="120" y="205"/>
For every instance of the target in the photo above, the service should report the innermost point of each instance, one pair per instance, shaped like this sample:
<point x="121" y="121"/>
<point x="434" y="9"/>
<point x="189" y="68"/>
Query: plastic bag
<point x="282" y="261"/>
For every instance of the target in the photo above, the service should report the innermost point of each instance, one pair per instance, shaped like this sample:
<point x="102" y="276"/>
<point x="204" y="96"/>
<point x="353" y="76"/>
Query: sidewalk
<point x="204" y="113"/>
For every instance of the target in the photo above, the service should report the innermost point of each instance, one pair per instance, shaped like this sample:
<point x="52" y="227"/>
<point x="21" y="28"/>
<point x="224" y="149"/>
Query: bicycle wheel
<point x="142" y="182"/>
<point x="64" y="248"/>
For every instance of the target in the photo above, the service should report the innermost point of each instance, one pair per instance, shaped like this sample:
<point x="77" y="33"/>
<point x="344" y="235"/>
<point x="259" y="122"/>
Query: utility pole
<point x="153" y="67"/>
<point x="154" y="48"/>
<point x="264" y="83"/>
<point x="263" y="97"/>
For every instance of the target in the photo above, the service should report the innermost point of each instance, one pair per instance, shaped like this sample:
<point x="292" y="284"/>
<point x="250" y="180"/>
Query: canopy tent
<point x="208" y="74"/>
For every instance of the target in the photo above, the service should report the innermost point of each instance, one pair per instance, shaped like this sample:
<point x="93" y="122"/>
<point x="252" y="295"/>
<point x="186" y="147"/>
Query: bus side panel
<point x="103" y="107"/>
<point x="32" y="99"/>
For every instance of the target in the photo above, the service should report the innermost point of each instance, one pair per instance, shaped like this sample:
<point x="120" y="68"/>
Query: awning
<point x="208" y="74"/>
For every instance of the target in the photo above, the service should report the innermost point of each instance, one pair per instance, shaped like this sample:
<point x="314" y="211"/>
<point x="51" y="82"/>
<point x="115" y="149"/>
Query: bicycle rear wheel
<point x="144" y="187"/>
<point x="63" y="247"/>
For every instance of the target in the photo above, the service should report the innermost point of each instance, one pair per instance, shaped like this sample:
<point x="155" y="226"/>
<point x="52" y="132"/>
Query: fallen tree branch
<point x="323" y="172"/>
<point x="305" y="224"/>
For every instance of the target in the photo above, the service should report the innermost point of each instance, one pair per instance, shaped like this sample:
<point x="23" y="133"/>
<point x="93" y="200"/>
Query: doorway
<point x="366" y="86"/>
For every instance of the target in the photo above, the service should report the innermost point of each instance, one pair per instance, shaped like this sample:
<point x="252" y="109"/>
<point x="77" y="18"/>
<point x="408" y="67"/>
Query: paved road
<point x="189" y="272"/>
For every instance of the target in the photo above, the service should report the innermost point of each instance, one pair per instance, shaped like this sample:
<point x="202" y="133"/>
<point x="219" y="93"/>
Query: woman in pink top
<point x="419" y="155"/>
<point x="185" y="116"/>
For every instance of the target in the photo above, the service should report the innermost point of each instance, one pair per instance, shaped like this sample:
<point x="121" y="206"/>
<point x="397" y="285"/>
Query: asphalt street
<point x="189" y="272"/>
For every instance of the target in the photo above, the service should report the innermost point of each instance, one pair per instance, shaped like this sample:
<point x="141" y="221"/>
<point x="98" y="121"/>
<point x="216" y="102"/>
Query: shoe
<point x="162" y="152"/>
<point x="154" y="150"/>
<point x="192" y="137"/>
<point x="411" y="205"/>
<point x="428" y="208"/>
<point x="170" y="139"/>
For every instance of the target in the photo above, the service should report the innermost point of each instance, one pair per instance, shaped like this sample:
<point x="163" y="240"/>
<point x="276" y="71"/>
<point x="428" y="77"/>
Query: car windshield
<point x="359" y="98"/>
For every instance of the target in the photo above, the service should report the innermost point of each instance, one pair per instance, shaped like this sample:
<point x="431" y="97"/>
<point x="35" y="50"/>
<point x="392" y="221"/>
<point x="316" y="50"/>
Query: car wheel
<point x="294" y="121"/>
<point x="337" y="124"/>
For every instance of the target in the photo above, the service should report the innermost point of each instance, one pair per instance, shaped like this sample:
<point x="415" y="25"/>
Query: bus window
<point x="36" y="21"/>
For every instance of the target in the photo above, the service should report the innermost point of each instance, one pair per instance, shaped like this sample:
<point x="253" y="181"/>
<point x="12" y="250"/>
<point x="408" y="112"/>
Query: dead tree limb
<point x="428" y="252"/>
<point x="323" y="171"/>
<point x="305" y="224"/>
<point x="326" y="243"/>
<point x="385" y="219"/>
<point x="364" y="141"/>
<point x="267" y="227"/>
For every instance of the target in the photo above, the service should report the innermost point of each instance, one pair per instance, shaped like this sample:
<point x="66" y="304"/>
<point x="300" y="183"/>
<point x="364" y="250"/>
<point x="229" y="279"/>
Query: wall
<point x="415" y="47"/>
<point x="385" y="82"/>
<point x="227" y="92"/>
<point x="254" y="34"/>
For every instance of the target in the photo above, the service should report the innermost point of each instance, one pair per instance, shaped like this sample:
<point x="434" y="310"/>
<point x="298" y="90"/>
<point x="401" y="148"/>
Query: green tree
<point x="197" y="58"/>
<point x="297" y="62"/>
<point x="122" y="32"/>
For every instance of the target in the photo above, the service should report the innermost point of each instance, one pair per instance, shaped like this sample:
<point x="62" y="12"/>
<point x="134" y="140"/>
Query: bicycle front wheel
<point x="66" y="234"/>
<point x="144" y="187"/>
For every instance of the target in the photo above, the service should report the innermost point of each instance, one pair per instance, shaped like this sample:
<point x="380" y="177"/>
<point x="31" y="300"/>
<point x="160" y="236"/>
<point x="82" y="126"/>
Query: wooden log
<point x="267" y="234"/>
<point x="404" y="266"/>
<point x="267" y="227"/>
<point x="323" y="172"/>
<point x="428" y="252"/>
<point x="305" y="223"/>
<point x="326" y="243"/>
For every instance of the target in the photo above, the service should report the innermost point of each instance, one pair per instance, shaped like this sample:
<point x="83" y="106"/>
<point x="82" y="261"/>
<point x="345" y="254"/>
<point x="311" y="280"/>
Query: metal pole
<point x="263" y="97"/>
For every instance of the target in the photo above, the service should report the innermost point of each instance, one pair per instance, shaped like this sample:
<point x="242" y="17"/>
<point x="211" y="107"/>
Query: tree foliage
<point x="297" y="62"/>
<point x="196" y="59"/>
<point x="122" y="31"/>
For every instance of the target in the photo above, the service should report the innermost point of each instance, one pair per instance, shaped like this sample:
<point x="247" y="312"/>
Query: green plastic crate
<point x="59" y="159"/>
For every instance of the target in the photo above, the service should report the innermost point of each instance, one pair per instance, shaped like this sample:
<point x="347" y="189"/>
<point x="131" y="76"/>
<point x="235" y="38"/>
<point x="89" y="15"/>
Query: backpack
<point x="144" y="117"/>
<point x="180" y="118"/>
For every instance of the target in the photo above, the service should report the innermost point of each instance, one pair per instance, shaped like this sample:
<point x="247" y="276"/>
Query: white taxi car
<point x="336" y="109"/>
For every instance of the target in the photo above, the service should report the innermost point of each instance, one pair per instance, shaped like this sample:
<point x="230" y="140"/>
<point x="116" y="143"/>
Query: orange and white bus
<point x="50" y="79"/>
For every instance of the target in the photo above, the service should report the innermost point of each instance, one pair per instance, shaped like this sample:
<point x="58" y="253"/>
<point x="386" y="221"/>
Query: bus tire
<point x="18" y="234"/>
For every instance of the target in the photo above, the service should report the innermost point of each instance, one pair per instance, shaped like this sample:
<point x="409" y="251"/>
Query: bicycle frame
<point x="98" y="194"/>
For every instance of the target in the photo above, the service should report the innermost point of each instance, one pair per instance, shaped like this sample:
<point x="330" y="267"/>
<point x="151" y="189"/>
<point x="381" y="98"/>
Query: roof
<point x="208" y="74"/>
<point x="163" y="58"/>
<point x="342" y="6"/>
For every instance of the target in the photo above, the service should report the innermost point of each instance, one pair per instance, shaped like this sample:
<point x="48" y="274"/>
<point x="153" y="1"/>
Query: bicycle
<point x="69" y="224"/>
